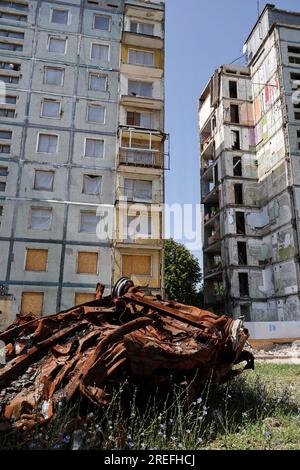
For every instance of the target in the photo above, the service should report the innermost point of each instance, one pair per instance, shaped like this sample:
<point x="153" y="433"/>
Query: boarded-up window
<point x="32" y="303"/>
<point x="84" y="297"/>
<point x="136" y="264"/>
<point x="36" y="259"/>
<point x="87" y="262"/>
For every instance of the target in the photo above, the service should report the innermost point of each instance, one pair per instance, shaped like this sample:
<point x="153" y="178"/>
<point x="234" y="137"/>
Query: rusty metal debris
<point x="91" y="349"/>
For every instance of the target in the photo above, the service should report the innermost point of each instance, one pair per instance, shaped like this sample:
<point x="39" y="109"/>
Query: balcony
<point x="138" y="101"/>
<point x="211" y="216"/>
<point x="142" y="40"/>
<point x="143" y="148"/>
<point x="125" y="194"/>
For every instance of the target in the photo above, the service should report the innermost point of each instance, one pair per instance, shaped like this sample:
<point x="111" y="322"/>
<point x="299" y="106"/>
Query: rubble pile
<point x="91" y="349"/>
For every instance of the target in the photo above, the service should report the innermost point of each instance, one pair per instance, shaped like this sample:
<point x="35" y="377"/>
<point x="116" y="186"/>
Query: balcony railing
<point x="139" y="195"/>
<point x="142" y="147"/>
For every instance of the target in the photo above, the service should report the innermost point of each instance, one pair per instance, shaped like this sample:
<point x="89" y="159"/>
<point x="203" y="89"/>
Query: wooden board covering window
<point x="32" y="303"/>
<point x="136" y="264"/>
<point x="83" y="297"/>
<point x="36" y="260"/>
<point x="87" y="262"/>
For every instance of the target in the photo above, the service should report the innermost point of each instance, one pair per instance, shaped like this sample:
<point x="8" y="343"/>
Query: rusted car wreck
<point x="91" y="349"/>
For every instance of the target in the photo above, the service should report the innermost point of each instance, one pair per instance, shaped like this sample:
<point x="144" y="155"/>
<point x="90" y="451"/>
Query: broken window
<point x="240" y="222"/>
<point x="97" y="82"/>
<point x="12" y="16"/>
<point x="137" y="57"/>
<point x="84" y="297"/>
<point x="51" y="108"/>
<point x="54" y="76"/>
<point x="36" y="259"/>
<point x="295" y="76"/>
<point x="297" y="116"/>
<point x="139" y="119"/>
<point x="6" y="135"/>
<point x="14" y="5"/>
<point x="235" y="140"/>
<point x="40" y="219"/>
<point x="137" y="226"/>
<point x="100" y="52"/>
<point x="87" y="262"/>
<point x="47" y="143"/>
<point x="136" y="88"/>
<point x="92" y="184"/>
<point x="11" y="34"/>
<point x="11" y="46"/>
<point x="88" y="222"/>
<point x="294" y="49"/>
<point x="43" y="180"/>
<point x="139" y="265"/>
<point x="7" y="112"/>
<point x="9" y="79"/>
<point x="3" y="178"/>
<point x="244" y="284"/>
<point x="142" y="28"/>
<point x="298" y="139"/>
<point x="32" y="303"/>
<point x="234" y="113"/>
<point x="4" y="148"/>
<point x="96" y="113"/>
<point x="294" y="60"/>
<point x="245" y="312"/>
<point x="237" y="166"/>
<point x="1" y="214"/>
<point x="57" y="45"/>
<point x="60" y="16"/>
<point x="94" y="148"/>
<point x="233" y="89"/>
<point x="138" y="189"/>
<point x="10" y="66"/>
<point x="242" y="253"/>
<point x="102" y="22"/>
<point x="216" y="174"/>
<point x="238" y="194"/>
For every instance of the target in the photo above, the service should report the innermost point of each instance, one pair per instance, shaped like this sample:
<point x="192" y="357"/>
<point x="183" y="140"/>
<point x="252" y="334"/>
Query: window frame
<point x="56" y="69"/>
<point x="38" y="140"/>
<point x="35" y="188"/>
<point x="144" y="51"/>
<point x="52" y="36"/>
<point x="97" y="139"/>
<point x="60" y="9"/>
<point x="98" y="74"/>
<point x="103" y="16"/>
<point x="91" y="105"/>
<point x="32" y="209"/>
<point x="100" y="44"/>
<point x="42" y="107"/>
<point x="84" y="175"/>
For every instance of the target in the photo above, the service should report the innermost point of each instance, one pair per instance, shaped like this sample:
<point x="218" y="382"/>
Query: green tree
<point x="183" y="275"/>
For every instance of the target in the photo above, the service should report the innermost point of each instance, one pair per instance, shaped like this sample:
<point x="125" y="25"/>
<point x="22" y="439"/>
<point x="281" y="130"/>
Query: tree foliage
<point x="182" y="275"/>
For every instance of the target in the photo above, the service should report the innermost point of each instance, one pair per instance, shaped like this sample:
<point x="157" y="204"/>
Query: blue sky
<point x="200" y="36"/>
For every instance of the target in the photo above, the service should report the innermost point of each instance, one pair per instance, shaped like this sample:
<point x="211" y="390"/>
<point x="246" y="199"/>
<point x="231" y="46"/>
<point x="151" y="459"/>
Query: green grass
<point x="259" y="410"/>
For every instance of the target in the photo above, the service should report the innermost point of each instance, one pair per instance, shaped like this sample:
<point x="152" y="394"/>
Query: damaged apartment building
<point x="81" y="126"/>
<point x="250" y="177"/>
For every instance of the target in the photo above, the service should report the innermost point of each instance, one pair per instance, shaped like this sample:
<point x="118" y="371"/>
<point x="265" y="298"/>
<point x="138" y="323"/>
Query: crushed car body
<point x="92" y="348"/>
